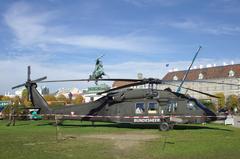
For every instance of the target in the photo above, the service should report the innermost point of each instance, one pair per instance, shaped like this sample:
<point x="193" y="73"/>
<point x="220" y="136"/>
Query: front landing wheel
<point x="164" y="126"/>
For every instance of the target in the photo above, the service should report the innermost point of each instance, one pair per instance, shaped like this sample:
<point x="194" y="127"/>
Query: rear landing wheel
<point x="164" y="126"/>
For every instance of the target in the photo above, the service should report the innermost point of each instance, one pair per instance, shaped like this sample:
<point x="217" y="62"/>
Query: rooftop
<point x="206" y="73"/>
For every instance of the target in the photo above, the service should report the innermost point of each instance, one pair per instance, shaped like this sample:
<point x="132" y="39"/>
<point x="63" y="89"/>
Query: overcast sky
<point x="62" y="38"/>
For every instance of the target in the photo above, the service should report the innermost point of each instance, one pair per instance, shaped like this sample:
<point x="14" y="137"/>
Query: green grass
<point x="37" y="139"/>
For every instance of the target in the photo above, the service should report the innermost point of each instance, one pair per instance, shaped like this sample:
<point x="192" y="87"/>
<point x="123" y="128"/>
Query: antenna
<point x="101" y="56"/>
<point x="185" y="76"/>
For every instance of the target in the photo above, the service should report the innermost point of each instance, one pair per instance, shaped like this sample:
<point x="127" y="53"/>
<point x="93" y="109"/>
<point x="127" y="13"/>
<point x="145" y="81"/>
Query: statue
<point x="98" y="72"/>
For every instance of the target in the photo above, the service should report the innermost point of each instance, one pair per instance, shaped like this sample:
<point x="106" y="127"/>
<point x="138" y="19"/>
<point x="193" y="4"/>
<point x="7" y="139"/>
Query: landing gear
<point x="164" y="126"/>
<point x="58" y="121"/>
<point x="93" y="123"/>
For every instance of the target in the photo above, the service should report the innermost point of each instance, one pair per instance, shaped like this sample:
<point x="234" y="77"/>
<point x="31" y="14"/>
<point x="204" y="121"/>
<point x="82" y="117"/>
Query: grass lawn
<point x="37" y="139"/>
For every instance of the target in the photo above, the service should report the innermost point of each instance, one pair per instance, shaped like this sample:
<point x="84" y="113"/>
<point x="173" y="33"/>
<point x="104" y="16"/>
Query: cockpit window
<point x="139" y="108"/>
<point x="152" y="108"/>
<point x="191" y="105"/>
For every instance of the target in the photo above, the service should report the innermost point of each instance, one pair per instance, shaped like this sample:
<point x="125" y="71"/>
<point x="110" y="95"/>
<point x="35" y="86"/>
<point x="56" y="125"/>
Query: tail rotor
<point x="29" y="73"/>
<point x="29" y="82"/>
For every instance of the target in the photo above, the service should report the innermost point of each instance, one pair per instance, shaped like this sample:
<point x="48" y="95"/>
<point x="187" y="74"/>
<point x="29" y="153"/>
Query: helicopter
<point x="133" y="106"/>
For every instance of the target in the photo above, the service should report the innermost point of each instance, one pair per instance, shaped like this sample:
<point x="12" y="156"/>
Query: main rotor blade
<point x="20" y="85"/>
<point x="39" y="79"/>
<point x="77" y="80"/>
<point x="124" y="86"/>
<point x="201" y="81"/>
<point x="207" y="94"/>
<point x="231" y="84"/>
<point x="28" y="73"/>
<point x="120" y="79"/>
<point x="71" y="80"/>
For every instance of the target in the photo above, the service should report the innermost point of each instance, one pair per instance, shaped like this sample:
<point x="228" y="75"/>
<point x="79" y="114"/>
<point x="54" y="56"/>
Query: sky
<point x="62" y="38"/>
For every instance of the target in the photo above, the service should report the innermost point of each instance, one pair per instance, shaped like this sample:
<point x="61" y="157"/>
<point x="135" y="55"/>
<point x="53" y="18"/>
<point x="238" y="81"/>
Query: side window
<point x="139" y="108"/>
<point x="152" y="108"/>
<point x="172" y="106"/>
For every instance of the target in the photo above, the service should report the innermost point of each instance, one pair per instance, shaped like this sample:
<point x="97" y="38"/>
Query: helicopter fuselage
<point x="134" y="106"/>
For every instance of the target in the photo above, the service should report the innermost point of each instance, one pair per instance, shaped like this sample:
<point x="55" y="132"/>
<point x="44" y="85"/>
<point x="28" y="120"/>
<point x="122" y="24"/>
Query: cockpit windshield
<point x="191" y="105"/>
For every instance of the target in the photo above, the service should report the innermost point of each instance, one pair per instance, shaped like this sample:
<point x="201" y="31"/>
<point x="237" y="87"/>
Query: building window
<point x="175" y="78"/>
<point x="231" y="73"/>
<point x="200" y="76"/>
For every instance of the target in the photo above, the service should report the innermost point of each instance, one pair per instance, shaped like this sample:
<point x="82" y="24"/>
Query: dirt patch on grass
<point x="124" y="141"/>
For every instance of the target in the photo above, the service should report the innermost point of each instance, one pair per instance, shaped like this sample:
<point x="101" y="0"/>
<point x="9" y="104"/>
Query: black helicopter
<point x="126" y="105"/>
<point x="134" y="106"/>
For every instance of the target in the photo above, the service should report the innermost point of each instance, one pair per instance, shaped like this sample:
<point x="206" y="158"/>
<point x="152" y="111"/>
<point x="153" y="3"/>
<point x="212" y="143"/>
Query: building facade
<point x="90" y="94"/>
<point x="223" y="74"/>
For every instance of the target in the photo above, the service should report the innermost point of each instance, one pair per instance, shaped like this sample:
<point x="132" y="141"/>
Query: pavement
<point x="236" y="120"/>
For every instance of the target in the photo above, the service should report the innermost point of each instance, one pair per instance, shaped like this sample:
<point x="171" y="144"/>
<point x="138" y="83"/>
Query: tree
<point x="79" y="99"/>
<point x="1" y="96"/>
<point x="27" y="103"/>
<point x="6" y="98"/>
<point x="25" y="98"/>
<point x="221" y="100"/>
<point x="16" y="101"/>
<point x="25" y="94"/>
<point x="232" y="102"/>
<point x="209" y="104"/>
<point x="61" y="97"/>
<point x="50" y="98"/>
